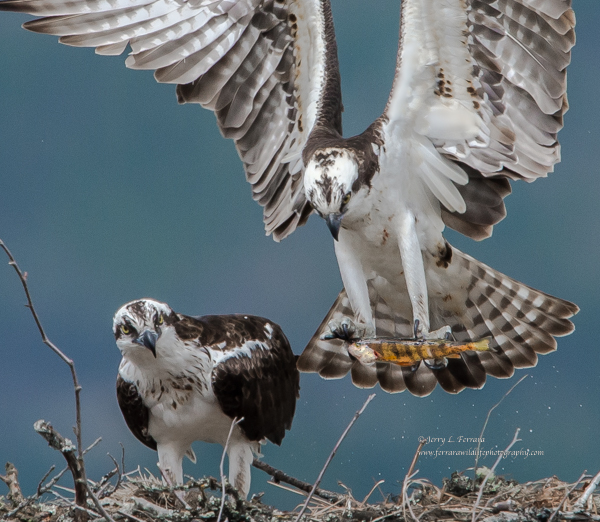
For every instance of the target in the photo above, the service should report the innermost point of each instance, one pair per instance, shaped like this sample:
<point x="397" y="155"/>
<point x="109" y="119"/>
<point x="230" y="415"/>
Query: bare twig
<point x="407" y="478"/>
<point x="12" y="481"/>
<point x="23" y="504"/>
<point x="92" y="445"/>
<point x="405" y="500"/>
<point x="515" y="439"/>
<point x="234" y="423"/>
<point x="77" y="387"/>
<point x="151" y="508"/>
<point x="280" y="476"/>
<point x="375" y="486"/>
<point x="98" y="505"/>
<point x="486" y="422"/>
<point x="581" y="503"/>
<point x="40" y="489"/>
<point x="130" y="516"/>
<point x="566" y="496"/>
<point x="416" y="457"/>
<point x="122" y="459"/>
<point x="66" y="447"/>
<point x="332" y="454"/>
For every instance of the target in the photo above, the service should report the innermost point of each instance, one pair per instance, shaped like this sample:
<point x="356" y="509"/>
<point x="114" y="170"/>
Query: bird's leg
<point x="355" y="284"/>
<point x="414" y="273"/>
<point x="445" y="332"/>
<point x="240" y="460"/>
<point x="170" y="464"/>
<point x="169" y="478"/>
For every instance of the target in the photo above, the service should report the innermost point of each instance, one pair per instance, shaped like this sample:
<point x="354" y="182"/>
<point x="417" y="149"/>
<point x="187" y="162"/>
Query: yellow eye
<point x="346" y="198"/>
<point x="125" y="329"/>
<point x="160" y="319"/>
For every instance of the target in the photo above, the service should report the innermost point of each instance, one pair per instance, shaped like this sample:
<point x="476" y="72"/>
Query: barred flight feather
<point x="516" y="85"/>
<point x="271" y="67"/>
<point x="263" y="67"/>
<point x="521" y="320"/>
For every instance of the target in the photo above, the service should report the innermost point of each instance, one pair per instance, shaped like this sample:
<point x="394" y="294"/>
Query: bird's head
<point x="330" y="179"/>
<point x="138" y="325"/>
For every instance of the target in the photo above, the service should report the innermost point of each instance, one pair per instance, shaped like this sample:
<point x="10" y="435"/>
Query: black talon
<point x="416" y="328"/>
<point x="346" y="331"/>
<point x="342" y="332"/>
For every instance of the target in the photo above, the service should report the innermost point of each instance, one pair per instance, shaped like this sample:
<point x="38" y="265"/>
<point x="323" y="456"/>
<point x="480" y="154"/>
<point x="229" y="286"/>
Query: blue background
<point x="110" y="191"/>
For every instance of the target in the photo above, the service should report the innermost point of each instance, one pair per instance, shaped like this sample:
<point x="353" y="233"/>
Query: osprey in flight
<point x="184" y="379"/>
<point x="478" y="99"/>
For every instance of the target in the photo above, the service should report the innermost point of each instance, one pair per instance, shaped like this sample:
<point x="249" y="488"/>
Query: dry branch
<point x="280" y="476"/>
<point x="559" y="507"/>
<point x="234" y="423"/>
<point x="486" y="422"/>
<point x="515" y="439"/>
<point x="332" y="454"/>
<point x="81" y="500"/>
<point x="409" y="475"/>
<point x="581" y="503"/>
<point x="67" y="448"/>
<point x="12" y="481"/>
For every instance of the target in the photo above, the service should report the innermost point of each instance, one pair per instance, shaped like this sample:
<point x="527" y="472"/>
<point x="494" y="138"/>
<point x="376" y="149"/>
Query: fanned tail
<point x="476" y="301"/>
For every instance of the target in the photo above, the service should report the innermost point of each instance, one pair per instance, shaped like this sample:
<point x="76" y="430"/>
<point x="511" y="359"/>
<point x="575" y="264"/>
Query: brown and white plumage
<point x="268" y="69"/>
<point x="478" y="99"/>
<point x="476" y="302"/>
<point x="185" y="378"/>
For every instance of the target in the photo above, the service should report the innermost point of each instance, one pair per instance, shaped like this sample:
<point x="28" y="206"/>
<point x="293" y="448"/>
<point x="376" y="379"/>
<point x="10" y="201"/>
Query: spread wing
<point x="133" y="410"/>
<point x="268" y="69"/>
<point x="481" y="84"/>
<point x="257" y="379"/>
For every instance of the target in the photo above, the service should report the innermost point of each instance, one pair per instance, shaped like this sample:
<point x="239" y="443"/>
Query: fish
<point x="409" y="352"/>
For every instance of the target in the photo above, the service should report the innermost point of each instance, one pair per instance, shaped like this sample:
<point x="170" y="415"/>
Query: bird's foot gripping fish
<point x="410" y="352"/>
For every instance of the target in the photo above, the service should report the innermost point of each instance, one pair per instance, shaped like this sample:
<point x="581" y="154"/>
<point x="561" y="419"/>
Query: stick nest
<point x="141" y="497"/>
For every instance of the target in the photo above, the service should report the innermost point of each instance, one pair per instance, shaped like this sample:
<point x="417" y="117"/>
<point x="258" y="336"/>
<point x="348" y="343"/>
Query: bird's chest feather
<point x="375" y="230"/>
<point x="198" y="418"/>
<point x="176" y="388"/>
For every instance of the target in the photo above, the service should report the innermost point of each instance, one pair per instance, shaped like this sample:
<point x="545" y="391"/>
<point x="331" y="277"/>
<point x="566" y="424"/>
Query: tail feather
<point x="476" y="301"/>
<point x="390" y="377"/>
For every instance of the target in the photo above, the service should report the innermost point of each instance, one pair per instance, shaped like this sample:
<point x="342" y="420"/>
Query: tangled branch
<point x="80" y="476"/>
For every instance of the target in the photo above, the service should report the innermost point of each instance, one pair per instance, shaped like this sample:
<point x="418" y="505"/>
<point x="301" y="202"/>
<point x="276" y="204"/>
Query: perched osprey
<point x="185" y="378"/>
<point x="478" y="99"/>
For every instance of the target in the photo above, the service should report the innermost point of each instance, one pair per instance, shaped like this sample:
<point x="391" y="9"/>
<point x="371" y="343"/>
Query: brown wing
<point x="268" y="69"/>
<point x="134" y="411"/>
<point x="259" y="381"/>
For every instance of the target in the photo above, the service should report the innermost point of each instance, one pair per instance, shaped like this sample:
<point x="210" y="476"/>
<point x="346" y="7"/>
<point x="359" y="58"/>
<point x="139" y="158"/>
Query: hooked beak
<point x="334" y="222"/>
<point x="148" y="339"/>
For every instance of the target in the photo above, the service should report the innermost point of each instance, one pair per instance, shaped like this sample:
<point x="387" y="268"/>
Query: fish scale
<point x="408" y="352"/>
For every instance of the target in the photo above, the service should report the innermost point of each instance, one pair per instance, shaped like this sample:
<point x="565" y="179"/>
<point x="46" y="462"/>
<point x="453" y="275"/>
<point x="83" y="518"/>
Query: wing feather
<point x="268" y="68"/>
<point x="261" y="389"/>
<point x="135" y="412"/>
<point x="485" y="82"/>
<point x="480" y="302"/>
